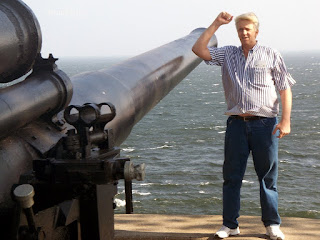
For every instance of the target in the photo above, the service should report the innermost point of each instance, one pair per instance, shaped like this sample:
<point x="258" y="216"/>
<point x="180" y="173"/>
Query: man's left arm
<point x="284" y="124"/>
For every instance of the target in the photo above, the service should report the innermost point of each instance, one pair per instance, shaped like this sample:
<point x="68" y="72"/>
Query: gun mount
<point x="59" y="141"/>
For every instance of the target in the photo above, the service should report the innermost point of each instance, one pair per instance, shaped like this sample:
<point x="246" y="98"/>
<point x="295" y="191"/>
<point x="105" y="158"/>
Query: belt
<point x="247" y="118"/>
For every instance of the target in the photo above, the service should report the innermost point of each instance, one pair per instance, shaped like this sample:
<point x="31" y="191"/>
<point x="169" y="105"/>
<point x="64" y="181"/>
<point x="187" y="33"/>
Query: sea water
<point x="181" y="142"/>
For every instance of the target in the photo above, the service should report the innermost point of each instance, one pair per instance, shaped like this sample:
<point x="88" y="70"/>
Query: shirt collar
<point x="255" y="47"/>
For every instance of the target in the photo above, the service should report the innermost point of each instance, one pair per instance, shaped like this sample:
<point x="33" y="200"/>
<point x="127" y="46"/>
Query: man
<point x="251" y="75"/>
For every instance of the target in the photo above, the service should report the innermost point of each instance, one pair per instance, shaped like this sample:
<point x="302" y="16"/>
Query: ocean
<point x="181" y="143"/>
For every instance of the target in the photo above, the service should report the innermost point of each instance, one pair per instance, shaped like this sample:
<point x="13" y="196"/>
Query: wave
<point x="160" y="147"/>
<point x="315" y="214"/>
<point x="136" y="192"/>
<point x="204" y="183"/>
<point x="119" y="202"/>
<point x="247" y="182"/>
<point x="128" y="149"/>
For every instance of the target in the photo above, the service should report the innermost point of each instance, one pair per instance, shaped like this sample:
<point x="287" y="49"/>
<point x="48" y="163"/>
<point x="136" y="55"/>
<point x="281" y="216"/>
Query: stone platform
<point x="203" y="227"/>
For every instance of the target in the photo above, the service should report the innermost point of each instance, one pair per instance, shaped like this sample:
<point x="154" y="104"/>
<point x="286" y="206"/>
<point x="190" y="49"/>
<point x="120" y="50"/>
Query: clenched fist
<point x="223" y="18"/>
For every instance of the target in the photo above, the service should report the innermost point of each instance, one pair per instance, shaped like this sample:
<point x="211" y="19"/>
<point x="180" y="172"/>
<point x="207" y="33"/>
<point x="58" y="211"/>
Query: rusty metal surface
<point x="138" y="84"/>
<point x="20" y="39"/>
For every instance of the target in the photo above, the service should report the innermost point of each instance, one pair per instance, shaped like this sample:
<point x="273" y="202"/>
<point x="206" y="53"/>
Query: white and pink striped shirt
<point x="250" y="84"/>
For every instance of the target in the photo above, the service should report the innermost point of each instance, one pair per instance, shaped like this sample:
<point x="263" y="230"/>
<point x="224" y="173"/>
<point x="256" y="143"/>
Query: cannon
<point x="60" y="138"/>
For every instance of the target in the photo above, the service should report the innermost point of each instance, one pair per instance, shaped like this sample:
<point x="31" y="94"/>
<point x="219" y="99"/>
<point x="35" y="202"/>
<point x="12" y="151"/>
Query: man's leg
<point x="264" y="147"/>
<point x="236" y="156"/>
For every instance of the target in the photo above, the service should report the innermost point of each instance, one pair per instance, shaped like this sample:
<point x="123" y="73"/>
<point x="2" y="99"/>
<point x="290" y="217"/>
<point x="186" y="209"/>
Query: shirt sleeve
<point x="281" y="76"/>
<point x="217" y="56"/>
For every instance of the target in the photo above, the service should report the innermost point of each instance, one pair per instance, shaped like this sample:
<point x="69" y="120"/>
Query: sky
<point x="130" y="27"/>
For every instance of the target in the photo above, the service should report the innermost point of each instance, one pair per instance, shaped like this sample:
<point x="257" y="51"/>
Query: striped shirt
<point x="250" y="84"/>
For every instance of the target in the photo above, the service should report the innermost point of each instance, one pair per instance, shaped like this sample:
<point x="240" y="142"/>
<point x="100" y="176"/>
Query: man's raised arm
<point x="200" y="47"/>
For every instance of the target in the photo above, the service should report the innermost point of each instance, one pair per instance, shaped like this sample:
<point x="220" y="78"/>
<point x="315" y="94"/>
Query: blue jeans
<point x="241" y="138"/>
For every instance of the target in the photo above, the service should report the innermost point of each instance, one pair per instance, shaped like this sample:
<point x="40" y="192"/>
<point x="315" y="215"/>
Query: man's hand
<point x="283" y="127"/>
<point x="223" y="18"/>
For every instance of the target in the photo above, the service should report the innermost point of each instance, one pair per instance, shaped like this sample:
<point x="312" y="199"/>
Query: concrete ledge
<point x="203" y="227"/>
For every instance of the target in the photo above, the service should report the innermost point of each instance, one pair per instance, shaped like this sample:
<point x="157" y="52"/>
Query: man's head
<point x="248" y="28"/>
<point x="251" y="17"/>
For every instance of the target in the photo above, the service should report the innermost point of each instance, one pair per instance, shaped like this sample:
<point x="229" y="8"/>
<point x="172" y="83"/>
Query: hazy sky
<point x="131" y="27"/>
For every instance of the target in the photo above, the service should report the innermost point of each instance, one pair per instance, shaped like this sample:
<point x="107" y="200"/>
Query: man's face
<point x="247" y="33"/>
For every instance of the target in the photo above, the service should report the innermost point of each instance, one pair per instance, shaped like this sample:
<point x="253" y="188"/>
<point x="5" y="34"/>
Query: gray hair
<point x="250" y="17"/>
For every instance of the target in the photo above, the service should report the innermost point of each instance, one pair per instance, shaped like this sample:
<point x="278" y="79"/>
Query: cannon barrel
<point x="135" y="86"/>
<point x="20" y="39"/>
<point x="82" y="164"/>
